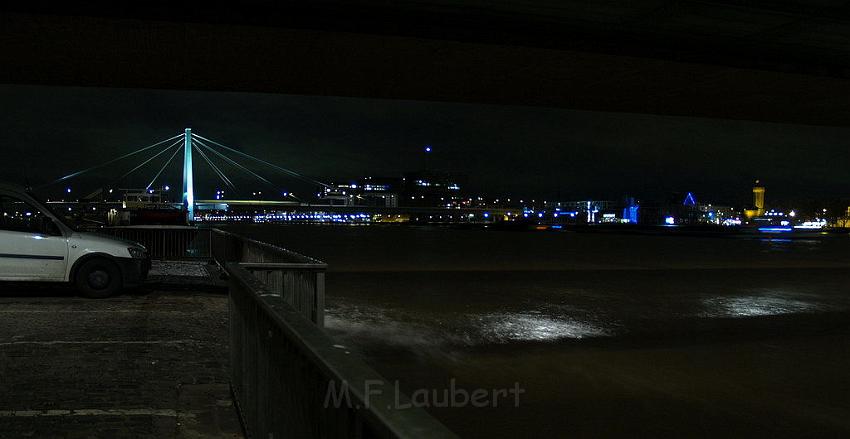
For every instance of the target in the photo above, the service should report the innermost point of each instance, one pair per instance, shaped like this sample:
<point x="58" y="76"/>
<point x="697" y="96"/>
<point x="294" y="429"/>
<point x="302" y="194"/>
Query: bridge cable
<point x="215" y="168"/>
<point x="234" y="163"/>
<point x="176" y="150"/>
<point x="75" y="174"/>
<point x="118" y="180"/>
<point x="288" y="171"/>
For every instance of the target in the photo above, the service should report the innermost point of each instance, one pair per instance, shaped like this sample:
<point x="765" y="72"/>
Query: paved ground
<point x="149" y="363"/>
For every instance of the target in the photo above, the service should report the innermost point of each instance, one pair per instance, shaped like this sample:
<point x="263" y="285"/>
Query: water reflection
<point x="400" y="327"/>
<point x="412" y="327"/>
<point x="505" y="327"/>
<point x="785" y="245"/>
<point x="757" y="305"/>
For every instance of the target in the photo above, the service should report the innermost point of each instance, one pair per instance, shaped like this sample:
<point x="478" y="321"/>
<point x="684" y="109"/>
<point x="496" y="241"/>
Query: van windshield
<point x="62" y="217"/>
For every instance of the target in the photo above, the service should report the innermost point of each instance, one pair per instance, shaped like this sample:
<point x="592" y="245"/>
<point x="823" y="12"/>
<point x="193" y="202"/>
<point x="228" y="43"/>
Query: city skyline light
<point x="514" y="151"/>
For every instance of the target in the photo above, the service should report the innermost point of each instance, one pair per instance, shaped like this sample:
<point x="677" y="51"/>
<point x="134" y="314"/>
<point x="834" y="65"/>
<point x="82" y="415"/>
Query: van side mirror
<point x="48" y="227"/>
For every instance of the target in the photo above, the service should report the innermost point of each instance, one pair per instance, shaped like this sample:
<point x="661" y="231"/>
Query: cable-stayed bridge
<point x="213" y="154"/>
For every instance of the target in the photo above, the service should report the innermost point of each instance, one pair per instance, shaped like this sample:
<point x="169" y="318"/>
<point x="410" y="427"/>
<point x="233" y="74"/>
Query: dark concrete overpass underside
<point x="779" y="61"/>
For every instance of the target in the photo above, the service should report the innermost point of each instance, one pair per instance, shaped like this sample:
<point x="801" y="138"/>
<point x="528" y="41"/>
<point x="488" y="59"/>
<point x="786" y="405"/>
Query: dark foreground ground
<point x="147" y="364"/>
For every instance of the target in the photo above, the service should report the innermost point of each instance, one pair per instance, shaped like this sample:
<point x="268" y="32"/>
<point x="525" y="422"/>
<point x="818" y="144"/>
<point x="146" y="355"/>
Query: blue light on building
<point x="630" y="214"/>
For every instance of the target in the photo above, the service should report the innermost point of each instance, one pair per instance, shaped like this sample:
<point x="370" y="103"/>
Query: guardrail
<point x="299" y="280"/>
<point x="166" y="242"/>
<point x="290" y="379"/>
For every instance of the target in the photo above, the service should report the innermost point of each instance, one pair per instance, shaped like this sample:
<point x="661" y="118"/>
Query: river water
<point x="608" y="335"/>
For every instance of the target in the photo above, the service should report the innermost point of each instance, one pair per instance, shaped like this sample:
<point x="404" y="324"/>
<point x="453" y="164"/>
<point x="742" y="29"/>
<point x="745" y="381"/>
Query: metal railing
<point x="299" y="280"/>
<point x="166" y="242"/>
<point x="291" y="380"/>
<point x="286" y="372"/>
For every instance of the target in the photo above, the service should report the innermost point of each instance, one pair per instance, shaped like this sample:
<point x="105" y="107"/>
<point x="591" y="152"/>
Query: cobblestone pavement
<point x="150" y="363"/>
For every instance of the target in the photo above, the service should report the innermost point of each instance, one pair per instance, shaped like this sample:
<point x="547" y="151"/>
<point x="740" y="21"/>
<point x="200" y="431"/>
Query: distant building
<point x="430" y="189"/>
<point x="650" y="213"/>
<point x="681" y="208"/>
<point x="415" y="189"/>
<point x="380" y="191"/>
<point x="631" y="211"/>
<point x="722" y="215"/>
<point x="369" y="191"/>
<point x="625" y="211"/>
<point x="843" y="221"/>
<point x="589" y="211"/>
<point x="758" y="208"/>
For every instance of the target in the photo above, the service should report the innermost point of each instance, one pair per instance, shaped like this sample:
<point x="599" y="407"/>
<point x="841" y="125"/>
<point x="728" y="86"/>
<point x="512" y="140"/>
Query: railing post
<point x="283" y="366"/>
<point x="319" y="300"/>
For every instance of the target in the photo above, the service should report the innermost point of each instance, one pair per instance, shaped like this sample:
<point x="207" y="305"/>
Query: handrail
<point x="336" y="366"/>
<point x="165" y="242"/>
<point x="281" y="360"/>
<point x="298" y="279"/>
<point x="297" y="257"/>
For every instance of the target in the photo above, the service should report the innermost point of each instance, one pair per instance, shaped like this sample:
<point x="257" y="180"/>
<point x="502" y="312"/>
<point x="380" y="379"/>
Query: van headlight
<point x="137" y="252"/>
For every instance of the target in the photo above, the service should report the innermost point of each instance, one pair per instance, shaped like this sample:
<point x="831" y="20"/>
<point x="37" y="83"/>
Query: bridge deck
<point x="149" y="363"/>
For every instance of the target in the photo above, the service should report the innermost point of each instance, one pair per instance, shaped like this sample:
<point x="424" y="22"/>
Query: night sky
<point x="47" y="132"/>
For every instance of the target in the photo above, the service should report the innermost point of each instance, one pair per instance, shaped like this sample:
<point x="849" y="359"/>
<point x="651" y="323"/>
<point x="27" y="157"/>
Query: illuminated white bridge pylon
<point x="188" y="177"/>
<point x="190" y="143"/>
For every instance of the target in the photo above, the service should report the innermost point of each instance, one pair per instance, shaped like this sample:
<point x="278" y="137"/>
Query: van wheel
<point x="98" y="278"/>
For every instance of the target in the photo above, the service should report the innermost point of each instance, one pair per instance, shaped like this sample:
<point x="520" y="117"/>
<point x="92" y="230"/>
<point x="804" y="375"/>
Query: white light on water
<point x="506" y="327"/>
<point x="397" y="326"/>
<point x="754" y="306"/>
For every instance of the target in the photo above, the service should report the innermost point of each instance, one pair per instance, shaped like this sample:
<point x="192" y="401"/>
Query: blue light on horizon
<point x="775" y="229"/>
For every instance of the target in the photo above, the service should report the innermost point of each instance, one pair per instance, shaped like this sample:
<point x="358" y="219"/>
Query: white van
<point x="37" y="245"/>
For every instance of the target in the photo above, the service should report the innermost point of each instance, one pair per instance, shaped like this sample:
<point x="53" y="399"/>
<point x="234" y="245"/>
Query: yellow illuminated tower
<point x="758" y="198"/>
<point x="758" y="202"/>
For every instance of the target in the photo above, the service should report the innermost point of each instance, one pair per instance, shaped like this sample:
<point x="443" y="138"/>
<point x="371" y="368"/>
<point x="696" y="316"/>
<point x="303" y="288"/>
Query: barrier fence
<point x="297" y="279"/>
<point x="289" y="378"/>
<point x="166" y="242"/>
